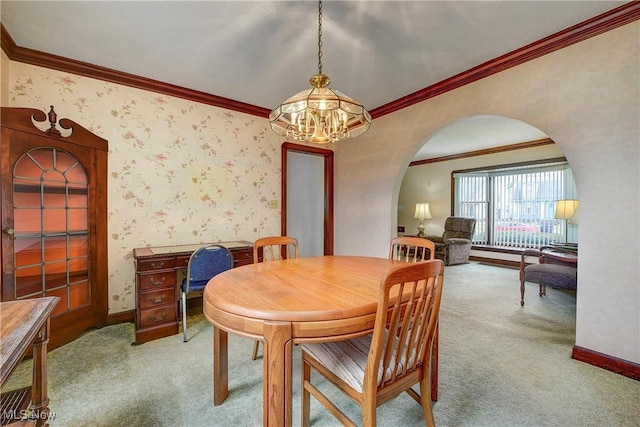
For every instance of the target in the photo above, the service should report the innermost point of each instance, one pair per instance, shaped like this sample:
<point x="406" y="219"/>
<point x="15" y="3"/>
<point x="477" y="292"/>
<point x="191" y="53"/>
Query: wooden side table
<point x="24" y="323"/>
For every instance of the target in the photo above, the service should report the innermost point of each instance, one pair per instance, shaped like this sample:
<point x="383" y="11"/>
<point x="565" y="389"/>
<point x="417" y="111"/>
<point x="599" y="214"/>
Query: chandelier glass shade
<point x="320" y="115"/>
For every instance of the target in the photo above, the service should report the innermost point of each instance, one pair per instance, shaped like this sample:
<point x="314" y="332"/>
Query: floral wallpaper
<point x="180" y="172"/>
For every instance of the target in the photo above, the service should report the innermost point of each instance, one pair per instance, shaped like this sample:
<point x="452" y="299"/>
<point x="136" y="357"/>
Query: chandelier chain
<point x="320" y="37"/>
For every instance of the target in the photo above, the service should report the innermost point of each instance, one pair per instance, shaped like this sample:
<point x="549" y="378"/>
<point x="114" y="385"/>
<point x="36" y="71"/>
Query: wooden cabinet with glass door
<point x="54" y="239"/>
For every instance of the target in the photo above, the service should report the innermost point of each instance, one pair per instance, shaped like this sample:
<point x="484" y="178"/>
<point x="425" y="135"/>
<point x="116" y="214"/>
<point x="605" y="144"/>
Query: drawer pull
<point x="158" y="265"/>
<point x="164" y="315"/>
<point x="161" y="282"/>
<point x="157" y="300"/>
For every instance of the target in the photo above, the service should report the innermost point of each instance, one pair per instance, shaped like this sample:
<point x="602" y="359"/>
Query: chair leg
<point x="306" y="397"/>
<point x="425" y="395"/>
<point x="256" y="344"/>
<point x="522" y="293"/>
<point x="184" y="317"/>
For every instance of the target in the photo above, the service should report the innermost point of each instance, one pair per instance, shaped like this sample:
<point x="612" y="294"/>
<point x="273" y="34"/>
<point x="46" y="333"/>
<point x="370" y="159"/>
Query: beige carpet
<point x="500" y="365"/>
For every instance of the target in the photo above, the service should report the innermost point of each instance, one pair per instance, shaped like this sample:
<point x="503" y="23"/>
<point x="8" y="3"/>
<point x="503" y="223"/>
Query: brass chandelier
<point x="320" y="115"/>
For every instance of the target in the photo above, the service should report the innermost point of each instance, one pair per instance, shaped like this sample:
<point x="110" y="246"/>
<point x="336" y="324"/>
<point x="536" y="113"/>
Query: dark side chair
<point x="454" y="246"/>
<point x="204" y="263"/>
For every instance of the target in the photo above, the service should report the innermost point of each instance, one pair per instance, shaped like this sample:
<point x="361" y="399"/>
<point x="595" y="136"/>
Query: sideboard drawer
<point x="153" y="299"/>
<point x="165" y="279"/>
<point x="157" y="316"/>
<point x="182" y="261"/>
<point x="155" y="264"/>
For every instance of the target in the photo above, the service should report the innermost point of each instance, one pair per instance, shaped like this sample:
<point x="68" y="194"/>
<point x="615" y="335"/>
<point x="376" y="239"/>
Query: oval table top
<point x="300" y="290"/>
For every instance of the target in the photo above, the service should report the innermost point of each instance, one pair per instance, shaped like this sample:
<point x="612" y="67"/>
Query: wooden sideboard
<point x="159" y="273"/>
<point x="25" y="323"/>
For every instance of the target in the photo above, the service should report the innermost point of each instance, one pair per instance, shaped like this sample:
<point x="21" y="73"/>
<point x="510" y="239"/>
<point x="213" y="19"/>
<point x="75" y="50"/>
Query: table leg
<point x="39" y="397"/>
<point x="277" y="372"/>
<point x="220" y="365"/>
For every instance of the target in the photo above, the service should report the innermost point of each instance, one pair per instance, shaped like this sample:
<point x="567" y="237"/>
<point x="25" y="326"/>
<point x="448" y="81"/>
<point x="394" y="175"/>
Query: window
<point x="514" y="204"/>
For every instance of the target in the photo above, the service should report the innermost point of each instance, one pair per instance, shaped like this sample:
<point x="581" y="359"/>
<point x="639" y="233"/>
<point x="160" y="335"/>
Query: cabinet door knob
<point x="8" y="230"/>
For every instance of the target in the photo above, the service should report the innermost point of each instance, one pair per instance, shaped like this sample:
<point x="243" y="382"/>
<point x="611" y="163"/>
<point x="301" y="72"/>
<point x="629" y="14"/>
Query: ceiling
<point x="262" y="52"/>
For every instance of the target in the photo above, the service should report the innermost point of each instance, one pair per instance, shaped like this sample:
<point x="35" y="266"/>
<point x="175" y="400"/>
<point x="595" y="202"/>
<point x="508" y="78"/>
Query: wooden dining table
<point x="287" y="302"/>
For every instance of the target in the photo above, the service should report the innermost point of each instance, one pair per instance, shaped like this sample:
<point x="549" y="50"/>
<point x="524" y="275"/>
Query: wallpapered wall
<point x="179" y="172"/>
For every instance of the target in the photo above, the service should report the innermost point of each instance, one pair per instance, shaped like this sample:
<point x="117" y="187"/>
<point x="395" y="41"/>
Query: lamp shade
<point x="565" y="209"/>
<point x="422" y="211"/>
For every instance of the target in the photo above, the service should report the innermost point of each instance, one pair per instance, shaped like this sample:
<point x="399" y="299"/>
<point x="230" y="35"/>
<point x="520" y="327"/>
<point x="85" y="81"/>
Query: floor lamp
<point x="565" y="209"/>
<point x="422" y="213"/>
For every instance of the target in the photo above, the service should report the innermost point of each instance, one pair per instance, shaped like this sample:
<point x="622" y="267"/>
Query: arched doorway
<point x="479" y="143"/>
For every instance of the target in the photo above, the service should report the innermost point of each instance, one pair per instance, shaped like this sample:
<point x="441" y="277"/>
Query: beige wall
<point x="585" y="97"/>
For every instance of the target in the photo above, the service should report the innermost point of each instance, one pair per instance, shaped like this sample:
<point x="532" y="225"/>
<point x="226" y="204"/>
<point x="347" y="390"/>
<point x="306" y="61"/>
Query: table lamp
<point x="422" y="213"/>
<point x="565" y="209"/>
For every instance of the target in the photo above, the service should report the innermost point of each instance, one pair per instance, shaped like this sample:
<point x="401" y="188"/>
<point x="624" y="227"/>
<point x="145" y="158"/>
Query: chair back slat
<point x="275" y="248"/>
<point x="411" y="249"/>
<point x="405" y="324"/>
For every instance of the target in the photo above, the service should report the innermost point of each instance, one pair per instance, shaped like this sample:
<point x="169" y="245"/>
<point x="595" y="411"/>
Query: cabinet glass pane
<point x="27" y="221"/>
<point x="26" y="193"/>
<point x="78" y="246"/>
<point x="55" y="248"/>
<point x="77" y="200"/>
<point x="78" y="269"/>
<point x="28" y="167"/>
<point x="55" y="275"/>
<point x="79" y="295"/>
<point x="78" y="220"/>
<point x="54" y="199"/>
<point x="53" y="180"/>
<point x="63" y="305"/>
<point x="29" y="282"/>
<point x="55" y="220"/>
<point x="42" y="157"/>
<point x="28" y="251"/>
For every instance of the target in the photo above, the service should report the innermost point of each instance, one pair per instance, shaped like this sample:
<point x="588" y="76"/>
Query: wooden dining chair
<point x="412" y="249"/>
<point x="378" y="367"/>
<point x="273" y="248"/>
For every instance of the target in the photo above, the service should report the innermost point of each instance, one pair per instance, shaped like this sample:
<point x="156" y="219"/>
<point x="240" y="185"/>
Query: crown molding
<point x="493" y="150"/>
<point x="608" y="21"/>
<point x="615" y="18"/>
<point x="41" y="59"/>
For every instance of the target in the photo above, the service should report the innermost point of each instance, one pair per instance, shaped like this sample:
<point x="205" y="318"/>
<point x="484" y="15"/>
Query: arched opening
<point x="509" y="162"/>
